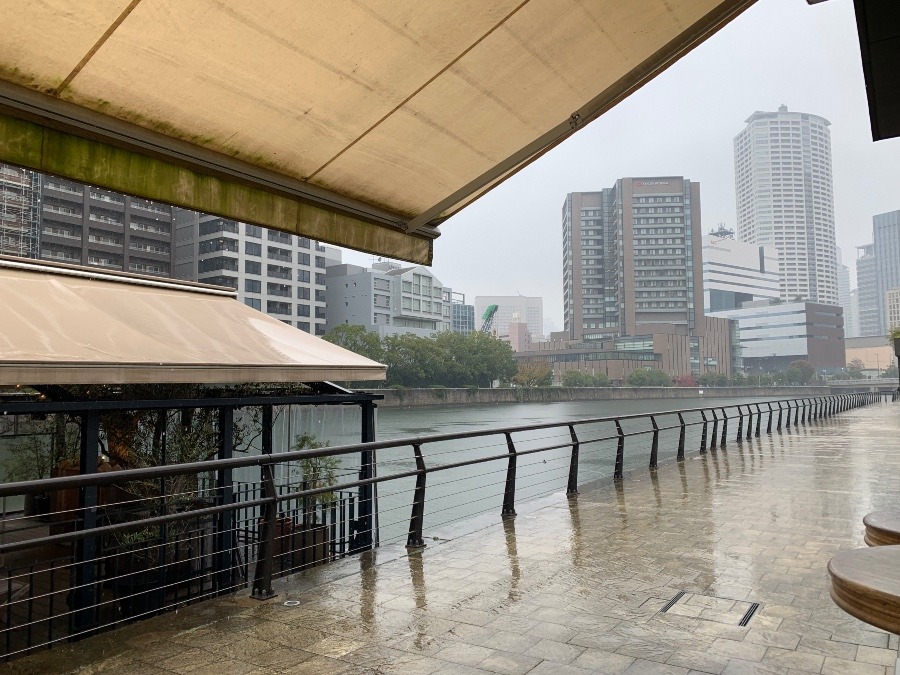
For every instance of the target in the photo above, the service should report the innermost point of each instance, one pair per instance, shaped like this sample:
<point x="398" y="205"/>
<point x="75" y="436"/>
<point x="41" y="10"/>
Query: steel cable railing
<point x="228" y="534"/>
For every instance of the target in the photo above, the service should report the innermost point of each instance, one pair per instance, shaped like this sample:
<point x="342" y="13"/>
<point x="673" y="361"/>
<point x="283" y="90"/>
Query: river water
<point x="458" y="493"/>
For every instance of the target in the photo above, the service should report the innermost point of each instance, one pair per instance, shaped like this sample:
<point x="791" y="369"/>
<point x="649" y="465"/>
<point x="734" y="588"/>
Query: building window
<point x="255" y="303"/>
<point x="217" y="263"/>
<point x="282" y="254"/>
<point x="320" y="280"/>
<point x="282" y="290"/>
<point x="252" y="267"/>
<point x="320" y="312"/>
<point x="280" y="237"/>
<point x="303" y="242"/>
<point x="219" y="244"/>
<point x="252" y="286"/>
<point x="278" y="272"/>
<point x="218" y="226"/>
<point x="303" y="275"/>
<point x="302" y="310"/>
<point x="252" y="248"/>
<point x="303" y="293"/>
<point x="320" y="295"/>
<point x="277" y="307"/>
<point x="254" y="231"/>
<point x="303" y="325"/>
<point x="320" y="262"/>
<point x="303" y="259"/>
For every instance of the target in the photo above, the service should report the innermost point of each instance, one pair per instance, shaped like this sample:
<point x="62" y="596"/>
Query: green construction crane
<point x="487" y="319"/>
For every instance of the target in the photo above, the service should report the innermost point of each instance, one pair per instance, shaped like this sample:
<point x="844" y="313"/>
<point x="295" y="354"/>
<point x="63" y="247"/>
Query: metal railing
<point x="116" y="557"/>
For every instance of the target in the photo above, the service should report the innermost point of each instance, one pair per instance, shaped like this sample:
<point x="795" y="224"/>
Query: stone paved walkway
<point x="578" y="587"/>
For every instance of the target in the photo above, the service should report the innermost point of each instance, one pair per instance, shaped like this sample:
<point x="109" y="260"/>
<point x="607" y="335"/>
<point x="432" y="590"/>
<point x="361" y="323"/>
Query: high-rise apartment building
<point x="632" y="257"/>
<point x="851" y="315"/>
<point x="56" y="219"/>
<point x="783" y="185"/>
<point x="867" y="285"/>
<point x="20" y="212"/>
<point x="513" y="309"/>
<point x="277" y="273"/>
<point x="886" y="241"/>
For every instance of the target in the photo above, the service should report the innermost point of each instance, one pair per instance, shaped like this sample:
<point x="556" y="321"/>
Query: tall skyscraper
<point x="886" y="239"/>
<point x="867" y="285"/>
<point x="783" y="184"/>
<point x="632" y="257"/>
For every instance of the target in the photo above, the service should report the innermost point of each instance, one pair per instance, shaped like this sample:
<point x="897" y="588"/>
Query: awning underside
<point x="64" y="325"/>
<point x="361" y="123"/>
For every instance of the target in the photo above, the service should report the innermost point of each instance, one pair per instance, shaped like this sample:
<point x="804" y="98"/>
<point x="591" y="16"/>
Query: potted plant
<point x="318" y="473"/>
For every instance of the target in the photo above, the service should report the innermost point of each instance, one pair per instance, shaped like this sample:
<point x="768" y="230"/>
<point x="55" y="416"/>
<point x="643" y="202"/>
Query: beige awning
<point x="63" y="324"/>
<point x="361" y="123"/>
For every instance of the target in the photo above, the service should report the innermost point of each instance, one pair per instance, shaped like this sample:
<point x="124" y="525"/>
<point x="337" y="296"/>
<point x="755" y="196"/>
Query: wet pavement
<point x="652" y="577"/>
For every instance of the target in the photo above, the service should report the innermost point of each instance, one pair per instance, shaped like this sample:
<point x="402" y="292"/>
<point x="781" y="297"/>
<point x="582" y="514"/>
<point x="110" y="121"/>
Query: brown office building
<point x="632" y="257"/>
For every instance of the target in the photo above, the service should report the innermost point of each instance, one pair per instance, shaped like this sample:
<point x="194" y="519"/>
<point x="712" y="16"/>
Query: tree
<point x="534" y="374"/>
<point x="358" y="340"/>
<point x="856" y="366"/>
<point x="801" y="372"/>
<point x="890" y="372"/>
<point x="413" y="361"/>
<point x="643" y="377"/>
<point x="489" y="358"/>
<point x="713" y="380"/>
<point x="577" y="378"/>
<point x="686" y="381"/>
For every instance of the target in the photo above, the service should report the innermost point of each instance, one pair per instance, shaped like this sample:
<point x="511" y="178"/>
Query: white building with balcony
<point x="387" y="299"/>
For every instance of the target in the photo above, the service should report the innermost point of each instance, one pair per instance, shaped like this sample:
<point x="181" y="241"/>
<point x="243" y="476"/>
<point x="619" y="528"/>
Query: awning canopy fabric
<point x="361" y="123"/>
<point x="70" y="325"/>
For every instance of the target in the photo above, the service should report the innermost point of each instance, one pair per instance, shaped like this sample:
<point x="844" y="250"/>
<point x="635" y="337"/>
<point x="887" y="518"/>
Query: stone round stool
<point x="882" y="528"/>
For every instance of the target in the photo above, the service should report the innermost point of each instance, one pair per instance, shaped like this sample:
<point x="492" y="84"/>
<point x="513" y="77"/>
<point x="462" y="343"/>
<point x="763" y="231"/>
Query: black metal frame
<point x="364" y="532"/>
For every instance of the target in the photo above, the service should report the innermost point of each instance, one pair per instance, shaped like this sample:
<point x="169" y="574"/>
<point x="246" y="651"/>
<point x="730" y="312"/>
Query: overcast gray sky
<point x="683" y="123"/>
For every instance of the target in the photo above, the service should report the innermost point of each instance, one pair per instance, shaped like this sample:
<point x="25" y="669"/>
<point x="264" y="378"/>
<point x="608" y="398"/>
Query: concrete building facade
<point x="843" y="279"/>
<point x="886" y="242"/>
<point x="774" y="335"/>
<point x="784" y="193"/>
<point x="735" y="272"/>
<point x="875" y="353"/>
<point x="387" y="299"/>
<point x="277" y="273"/>
<point x="511" y="308"/>
<point x="632" y="257"/>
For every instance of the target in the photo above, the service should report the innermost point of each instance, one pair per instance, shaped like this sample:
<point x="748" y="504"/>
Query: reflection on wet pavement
<point x="589" y="584"/>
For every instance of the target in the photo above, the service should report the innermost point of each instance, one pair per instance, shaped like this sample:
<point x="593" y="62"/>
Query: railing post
<point x="787" y="423"/>
<point x="509" y="494"/>
<point x="724" y="429"/>
<point x="681" y="437"/>
<point x="740" y="429"/>
<point x="797" y="414"/>
<point x="715" y="430"/>
<point x="620" y="453"/>
<point x="84" y="600"/>
<point x="225" y="521"/>
<point x="769" y="423"/>
<point x="367" y="517"/>
<point x="779" y="415"/>
<point x="758" y="419"/>
<point x="703" y="433"/>
<point x="262" y="577"/>
<point x="572" y="487"/>
<point x="416" y="520"/>
<point x="654" y="447"/>
<point x="805" y="402"/>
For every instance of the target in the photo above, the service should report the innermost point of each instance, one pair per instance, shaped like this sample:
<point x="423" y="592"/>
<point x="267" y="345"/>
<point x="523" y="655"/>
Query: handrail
<point x="253" y="520"/>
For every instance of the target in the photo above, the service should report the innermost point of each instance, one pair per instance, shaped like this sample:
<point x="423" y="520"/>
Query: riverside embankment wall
<point x="411" y="398"/>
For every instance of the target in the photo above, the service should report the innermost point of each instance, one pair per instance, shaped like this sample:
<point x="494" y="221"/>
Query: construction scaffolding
<point x="20" y="212"/>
